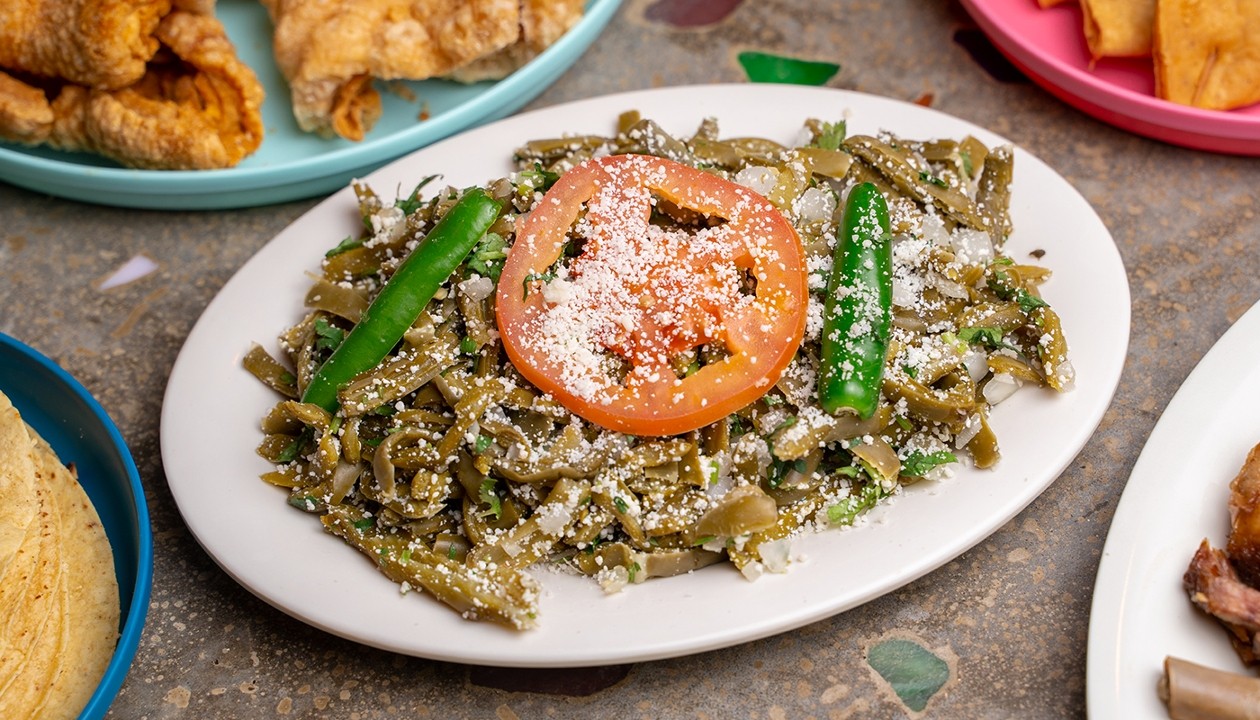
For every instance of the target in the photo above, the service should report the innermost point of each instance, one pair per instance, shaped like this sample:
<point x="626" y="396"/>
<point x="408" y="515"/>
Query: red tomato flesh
<point x="600" y="332"/>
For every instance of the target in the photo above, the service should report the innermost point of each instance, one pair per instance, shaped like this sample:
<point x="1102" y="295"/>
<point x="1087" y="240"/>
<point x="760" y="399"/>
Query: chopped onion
<point x="758" y="178"/>
<point x="977" y="365"/>
<point x="815" y="204"/>
<point x="972" y="246"/>
<point x="477" y="287"/>
<point x="948" y="287"/>
<point x="1000" y="387"/>
<point x="970" y="429"/>
<point x="776" y="554"/>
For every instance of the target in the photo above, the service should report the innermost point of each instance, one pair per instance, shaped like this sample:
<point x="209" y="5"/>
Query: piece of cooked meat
<point x="331" y="50"/>
<point x="1215" y="588"/>
<point x="542" y="23"/>
<point x="197" y="106"/>
<point x="1243" y="547"/>
<point x="95" y="43"/>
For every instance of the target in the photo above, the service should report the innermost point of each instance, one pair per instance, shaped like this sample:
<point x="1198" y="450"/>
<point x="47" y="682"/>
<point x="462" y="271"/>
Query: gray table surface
<point x="1010" y="616"/>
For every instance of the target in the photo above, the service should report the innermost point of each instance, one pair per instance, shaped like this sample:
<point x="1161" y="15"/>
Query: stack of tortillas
<point x="59" y="603"/>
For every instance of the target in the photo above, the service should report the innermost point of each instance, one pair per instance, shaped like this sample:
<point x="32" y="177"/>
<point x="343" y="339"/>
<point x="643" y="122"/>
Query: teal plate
<point x="81" y="432"/>
<point x="292" y="164"/>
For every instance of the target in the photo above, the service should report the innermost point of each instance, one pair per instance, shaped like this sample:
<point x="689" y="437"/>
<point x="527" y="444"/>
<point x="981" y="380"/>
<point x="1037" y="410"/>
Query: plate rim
<point x="1012" y="503"/>
<point x="1123" y="548"/>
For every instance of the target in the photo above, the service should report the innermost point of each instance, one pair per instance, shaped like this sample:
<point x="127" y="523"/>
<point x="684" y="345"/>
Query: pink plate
<point x="1049" y="46"/>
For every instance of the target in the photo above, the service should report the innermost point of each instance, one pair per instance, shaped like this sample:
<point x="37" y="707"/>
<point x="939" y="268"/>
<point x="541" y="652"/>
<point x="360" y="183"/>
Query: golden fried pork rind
<point x="542" y="23"/>
<point x="197" y="107"/>
<point x="95" y="43"/>
<point x="1207" y="54"/>
<point x="330" y="50"/>
<point x="1118" y="28"/>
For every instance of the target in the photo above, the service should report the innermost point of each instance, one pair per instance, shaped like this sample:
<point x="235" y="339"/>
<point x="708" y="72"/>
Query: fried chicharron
<point x="193" y="105"/>
<point x="330" y="52"/>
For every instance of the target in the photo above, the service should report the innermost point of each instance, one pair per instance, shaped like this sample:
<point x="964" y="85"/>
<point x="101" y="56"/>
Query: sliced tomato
<point x="598" y="298"/>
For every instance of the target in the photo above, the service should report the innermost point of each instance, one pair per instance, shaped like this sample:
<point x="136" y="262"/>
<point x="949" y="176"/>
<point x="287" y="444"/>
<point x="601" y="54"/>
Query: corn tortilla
<point x="32" y="612"/>
<point x="59" y="601"/>
<point x="91" y="590"/>
<point x="17" y="482"/>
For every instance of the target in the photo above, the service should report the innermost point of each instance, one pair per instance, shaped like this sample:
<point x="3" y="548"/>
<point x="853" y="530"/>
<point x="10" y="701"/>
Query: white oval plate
<point x="1176" y="496"/>
<point x="212" y="408"/>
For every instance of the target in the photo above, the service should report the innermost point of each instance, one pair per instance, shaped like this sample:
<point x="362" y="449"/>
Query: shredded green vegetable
<point x="455" y="474"/>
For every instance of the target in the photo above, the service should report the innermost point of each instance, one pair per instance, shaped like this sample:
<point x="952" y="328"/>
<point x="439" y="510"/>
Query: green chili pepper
<point x="859" y="307"/>
<point x="405" y="295"/>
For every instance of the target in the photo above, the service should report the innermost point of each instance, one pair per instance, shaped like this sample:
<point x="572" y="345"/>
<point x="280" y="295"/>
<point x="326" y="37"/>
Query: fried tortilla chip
<point x="197" y="107"/>
<point x="331" y="50"/>
<point x="542" y="23"/>
<point x="95" y="43"/>
<point x="17" y="482"/>
<point x="1118" y="28"/>
<point x="1207" y="54"/>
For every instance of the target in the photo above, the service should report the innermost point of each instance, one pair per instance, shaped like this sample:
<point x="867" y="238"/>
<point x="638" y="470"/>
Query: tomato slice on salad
<point x="650" y="297"/>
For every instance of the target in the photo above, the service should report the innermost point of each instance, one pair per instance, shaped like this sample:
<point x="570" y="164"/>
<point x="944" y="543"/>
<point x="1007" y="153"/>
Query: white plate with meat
<point x="1177" y="496"/>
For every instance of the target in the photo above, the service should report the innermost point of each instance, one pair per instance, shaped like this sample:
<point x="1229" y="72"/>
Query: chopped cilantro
<point x="385" y="410"/>
<point x="1029" y="302"/>
<point x="990" y="337"/>
<point x="904" y="423"/>
<point x="773" y="400"/>
<point x="488" y="257"/>
<point x="364" y="523"/>
<point x="778" y="471"/>
<point x="488" y="496"/>
<point x="349" y="243"/>
<point x="482" y="444"/>
<point x="692" y="369"/>
<point x="968" y="166"/>
<point x="930" y="178"/>
<point x="917" y="464"/>
<point x="788" y="422"/>
<point x="294" y="449"/>
<point x="327" y="335"/>
<point x="536" y="178"/>
<point x="703" y="540"/>
<point x="621" y="505"/>
<point x="451" y="551"/>
<point x="831" y="136"/>
<point x="847" y="510"/>
<point x="412" y="202"/>
<point x="910" y="370"/>
<point x="406" y="555"/>
<point x="540" y="277"/>
<point x="634" y="570"/>
<point x="467" y="345"/>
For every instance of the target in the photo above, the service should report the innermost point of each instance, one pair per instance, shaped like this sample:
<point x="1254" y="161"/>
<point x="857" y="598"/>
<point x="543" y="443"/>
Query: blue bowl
<point x="78" y="428"/>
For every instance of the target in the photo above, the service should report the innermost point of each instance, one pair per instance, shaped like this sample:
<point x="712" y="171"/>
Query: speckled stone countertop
<point x="1008" y="619"/>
